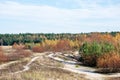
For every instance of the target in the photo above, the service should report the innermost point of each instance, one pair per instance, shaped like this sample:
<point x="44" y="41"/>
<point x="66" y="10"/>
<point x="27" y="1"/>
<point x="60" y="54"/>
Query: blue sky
<point x="59" y="16"/>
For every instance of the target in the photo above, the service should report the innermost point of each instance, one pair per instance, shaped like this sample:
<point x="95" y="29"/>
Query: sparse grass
<point x="3" y="57"/>
<point x="45" y="73"/>
<point x="18" y="54"/>
<point x="16" y="66"/>
<point x="43" y="60"/>
<point x="77" y="66"/>
<point x="114" y="78"/>
<point x="43" y="69"/>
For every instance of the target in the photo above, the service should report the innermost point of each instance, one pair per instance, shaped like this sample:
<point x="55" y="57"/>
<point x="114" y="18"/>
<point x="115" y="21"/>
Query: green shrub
<point x="91" y="51"/>
<point x="29" y="45"/>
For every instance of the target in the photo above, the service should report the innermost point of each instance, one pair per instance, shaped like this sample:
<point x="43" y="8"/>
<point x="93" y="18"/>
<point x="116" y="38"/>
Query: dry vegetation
<point x="109" y="63"/>
<point x="43" y="68"/>
<point x="15" y="66"/>
<point x="96" y="50"/>
<point x="16" y="53"/>
<point x="3" y="57"/>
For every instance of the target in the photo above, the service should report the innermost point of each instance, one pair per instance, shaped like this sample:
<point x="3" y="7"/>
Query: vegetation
<point x="10" y="39"/>
<point x="17" y="53"/>
<point x="100" y="50"/>
<point x="109" y="63"/>
<point x="91" y="51"/>
<point x="3" y="57"/>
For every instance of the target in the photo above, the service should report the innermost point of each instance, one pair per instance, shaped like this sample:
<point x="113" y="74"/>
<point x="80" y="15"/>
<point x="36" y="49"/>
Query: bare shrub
<point x="18" y="54"/>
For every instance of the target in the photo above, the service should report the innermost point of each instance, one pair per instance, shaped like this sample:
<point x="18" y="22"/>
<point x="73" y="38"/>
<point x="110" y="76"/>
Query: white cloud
<point x="62" y="17"/>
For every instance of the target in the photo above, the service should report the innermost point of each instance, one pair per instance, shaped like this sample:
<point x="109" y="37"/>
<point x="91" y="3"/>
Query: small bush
<point x="62" y="45"/>
<point x="109" y="62"/>
<point x="29" y="45"/>
<point x="38" y="49"/>
<point x="18" y="46"/>
<point x="18" y="54"/>
<point x="3" y="58"/>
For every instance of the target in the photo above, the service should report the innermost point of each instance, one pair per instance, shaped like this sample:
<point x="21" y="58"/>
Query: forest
<point x="10" y="39"/>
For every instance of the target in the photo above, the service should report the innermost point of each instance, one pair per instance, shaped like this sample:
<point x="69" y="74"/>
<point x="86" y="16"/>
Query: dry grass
<point x="3" y="57"/>
<point x="114" y="78"/>
<point x="42" y="69"/>
<point x="13" y="54"/>
<point x="18" y="54"/>
<point x="16" y="66"/>
<point x="45" y="73"/>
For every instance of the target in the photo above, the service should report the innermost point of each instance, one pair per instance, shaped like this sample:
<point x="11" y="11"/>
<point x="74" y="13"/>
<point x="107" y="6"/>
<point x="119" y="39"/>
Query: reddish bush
<point x="62" y="45"/>
<point x="18" y="54"/>
<point x="0" y="49"/>
<point x="109" y="62"/>
<point x="3" y="57"/>
<point x="18" y="46"/>
<point x="38" y="49"/>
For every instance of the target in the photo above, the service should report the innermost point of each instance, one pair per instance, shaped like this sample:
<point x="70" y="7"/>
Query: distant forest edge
<point x="10" y="39"/>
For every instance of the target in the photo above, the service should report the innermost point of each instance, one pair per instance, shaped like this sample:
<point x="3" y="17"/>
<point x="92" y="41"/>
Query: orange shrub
<point x="38" y="49"/>
<point x="109" y="62"/>
<point x="62" y="45"/>
<point x="18" y="46"/>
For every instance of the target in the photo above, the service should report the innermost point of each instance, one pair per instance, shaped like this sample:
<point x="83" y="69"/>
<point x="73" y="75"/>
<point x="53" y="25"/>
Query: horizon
<point x="59" y="16"/>
<point x="62" y="33"/>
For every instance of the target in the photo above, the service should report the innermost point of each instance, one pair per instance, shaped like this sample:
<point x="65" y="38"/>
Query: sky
<point x="59" y="16"/>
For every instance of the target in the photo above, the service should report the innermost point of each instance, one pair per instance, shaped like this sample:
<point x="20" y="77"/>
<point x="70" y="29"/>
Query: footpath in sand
<point x="69" y="65"/>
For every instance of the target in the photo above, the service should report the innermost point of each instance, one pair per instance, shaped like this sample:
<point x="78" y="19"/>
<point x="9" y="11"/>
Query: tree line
<point x="10" y="39"/>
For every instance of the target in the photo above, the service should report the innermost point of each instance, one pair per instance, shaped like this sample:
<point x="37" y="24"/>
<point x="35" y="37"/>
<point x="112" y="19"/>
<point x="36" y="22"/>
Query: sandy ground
<point x="69" y="65"/>
<point x="89" y="72"/>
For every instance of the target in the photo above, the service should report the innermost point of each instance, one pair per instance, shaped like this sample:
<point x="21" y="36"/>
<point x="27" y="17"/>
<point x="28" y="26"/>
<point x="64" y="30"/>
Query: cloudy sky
<point x="59" y="16"/>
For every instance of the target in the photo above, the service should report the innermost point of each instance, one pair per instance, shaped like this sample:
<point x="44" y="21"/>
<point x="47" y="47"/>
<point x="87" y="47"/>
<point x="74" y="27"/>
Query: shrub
<point x="18" y="46"/>
<point x="62" y="45"/>
<point x="29" y="45"/>
<point x="18" y="54"/>
<point x="3" y="57"/>
<point x="91" y="51"/>
<point x="109" y="62"/>
<point x="89" y="60"/>
<point x="38" y="49"/>
<point x="107" y="47"/>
